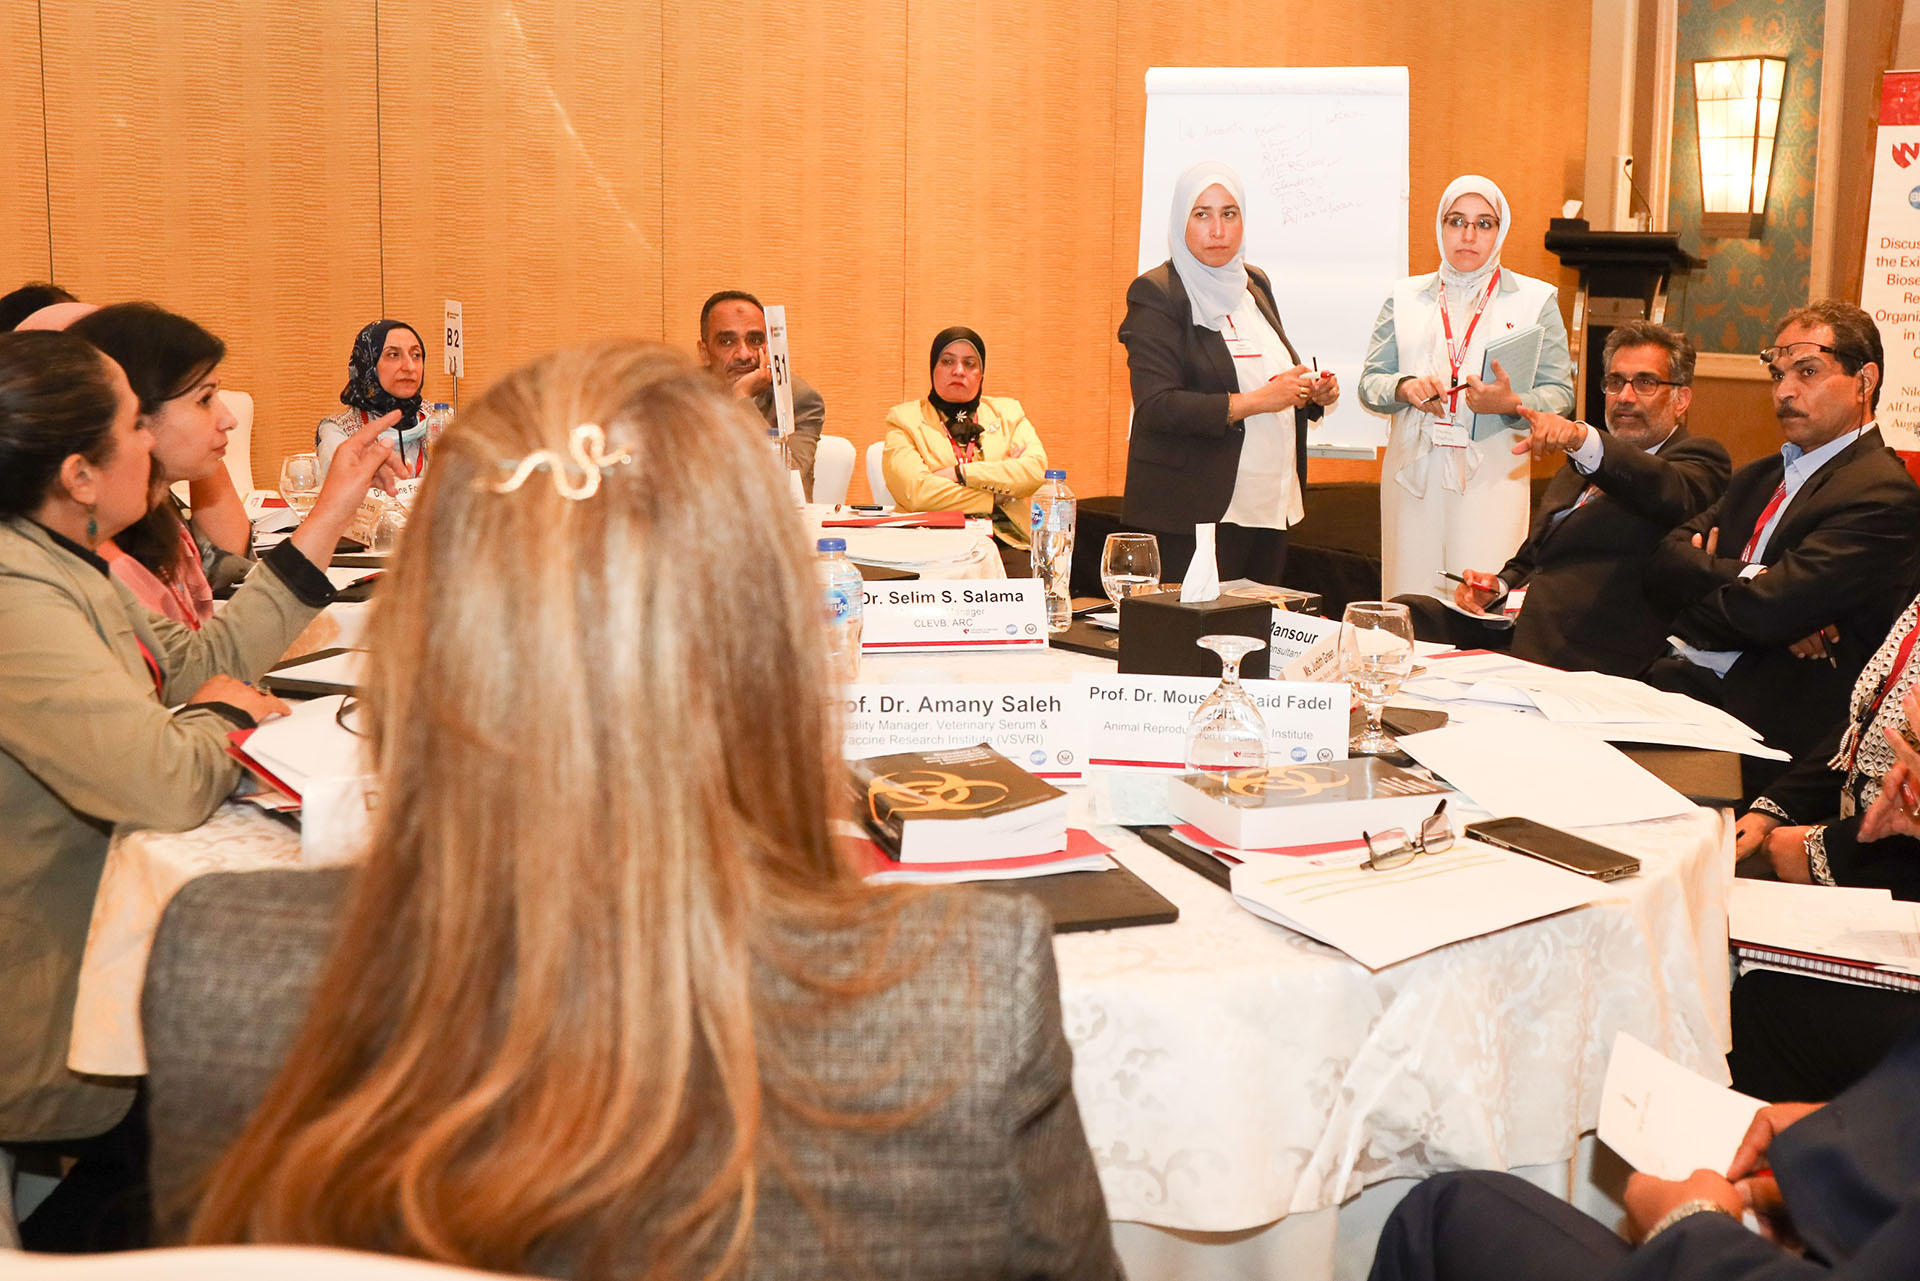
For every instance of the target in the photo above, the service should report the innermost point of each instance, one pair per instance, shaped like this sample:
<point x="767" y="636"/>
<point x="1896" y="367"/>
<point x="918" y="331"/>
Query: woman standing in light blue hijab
<point x="1221" y="400"/>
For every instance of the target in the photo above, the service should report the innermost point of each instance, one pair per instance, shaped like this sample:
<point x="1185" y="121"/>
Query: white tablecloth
<point x="1230" y="1072"/>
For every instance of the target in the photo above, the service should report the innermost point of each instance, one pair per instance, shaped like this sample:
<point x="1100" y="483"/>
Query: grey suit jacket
<point x="809" y="420"/>
<point x="994" y="1180"/>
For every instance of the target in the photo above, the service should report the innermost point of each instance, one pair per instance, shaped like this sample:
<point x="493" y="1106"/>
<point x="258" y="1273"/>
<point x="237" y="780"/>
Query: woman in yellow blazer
<point x="956" y="450"/>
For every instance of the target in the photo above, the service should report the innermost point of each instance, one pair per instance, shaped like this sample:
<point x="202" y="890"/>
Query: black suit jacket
<point x="1184" y="455"/>
<point x="1850" y="1174"/>
<point x="1846" y="553"/>
<point x="1586" y="610"/>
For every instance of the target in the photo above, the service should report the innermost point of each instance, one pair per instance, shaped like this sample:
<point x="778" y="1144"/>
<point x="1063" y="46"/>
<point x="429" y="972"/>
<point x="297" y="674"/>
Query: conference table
<point x="1256" y="1101"/>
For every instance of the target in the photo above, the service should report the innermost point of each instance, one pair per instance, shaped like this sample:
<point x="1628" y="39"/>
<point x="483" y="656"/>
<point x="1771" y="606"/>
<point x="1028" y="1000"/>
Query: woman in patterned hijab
<point x="385" y="375"/>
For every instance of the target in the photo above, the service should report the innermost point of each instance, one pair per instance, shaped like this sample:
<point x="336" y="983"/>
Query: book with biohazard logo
<point x="957" y="804"/>
<point x="1284" y="806"/>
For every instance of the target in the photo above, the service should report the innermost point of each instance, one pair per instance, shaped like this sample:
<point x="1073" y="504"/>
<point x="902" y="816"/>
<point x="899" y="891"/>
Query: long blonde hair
<point x="605" y="755"/>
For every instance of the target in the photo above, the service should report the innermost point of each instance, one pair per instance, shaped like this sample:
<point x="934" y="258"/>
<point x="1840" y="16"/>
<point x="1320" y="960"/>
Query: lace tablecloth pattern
<point x="1229" y="1071"/>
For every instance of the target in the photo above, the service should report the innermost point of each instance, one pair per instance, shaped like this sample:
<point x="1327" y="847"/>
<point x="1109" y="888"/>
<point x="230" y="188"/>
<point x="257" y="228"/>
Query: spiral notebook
<point x="1519" y="355"/>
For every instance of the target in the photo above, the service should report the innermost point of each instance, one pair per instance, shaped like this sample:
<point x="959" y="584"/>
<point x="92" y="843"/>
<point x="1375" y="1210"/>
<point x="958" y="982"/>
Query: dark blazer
<point x="1846" y="553"/>
<point x="1850" y="1175"/>
<point x="993" y="1179"/>
<point x="1184" y="455"/>
<point x="1586" y="610"/>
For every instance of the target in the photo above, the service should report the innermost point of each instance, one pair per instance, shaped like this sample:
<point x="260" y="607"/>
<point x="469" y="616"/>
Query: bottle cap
<point x="1056" y="473"/>
<point x="832" y="544"/>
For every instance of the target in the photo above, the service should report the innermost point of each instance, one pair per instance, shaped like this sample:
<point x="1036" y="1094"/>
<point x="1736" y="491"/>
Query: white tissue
<point x="1202" y="581"/>
<point x="1570" y="210"/>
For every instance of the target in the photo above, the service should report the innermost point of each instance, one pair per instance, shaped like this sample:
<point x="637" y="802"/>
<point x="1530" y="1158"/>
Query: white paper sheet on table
<point x="310" y="743"/>
<point x="911" y="548"/>
<point x="1380" y="918"/>
<point x="1853" y="924"/>
<point x="344" y="576"/>
<point x="1666" y="1121"/>
<point x="1522" y="766"/>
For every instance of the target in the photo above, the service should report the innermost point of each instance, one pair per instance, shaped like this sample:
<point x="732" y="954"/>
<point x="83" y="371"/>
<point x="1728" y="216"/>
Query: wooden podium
<point x="1624" y="275"/>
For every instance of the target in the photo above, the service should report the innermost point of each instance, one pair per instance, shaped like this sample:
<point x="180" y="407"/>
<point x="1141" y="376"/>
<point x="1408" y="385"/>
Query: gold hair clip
<point x="587" y="445"/>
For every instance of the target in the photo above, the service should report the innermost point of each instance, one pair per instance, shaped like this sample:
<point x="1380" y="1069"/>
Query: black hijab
<point x="962" y="417"/>
<point x="363" y="390"/>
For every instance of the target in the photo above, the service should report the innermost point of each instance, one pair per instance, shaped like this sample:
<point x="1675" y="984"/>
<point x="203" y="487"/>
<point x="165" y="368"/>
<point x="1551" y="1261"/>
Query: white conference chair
<point x="832" y="470"/>
<point x="876" y="478"/>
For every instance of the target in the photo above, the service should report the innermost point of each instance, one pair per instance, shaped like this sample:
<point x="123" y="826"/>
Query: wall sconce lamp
<point x="1737" y="107"/>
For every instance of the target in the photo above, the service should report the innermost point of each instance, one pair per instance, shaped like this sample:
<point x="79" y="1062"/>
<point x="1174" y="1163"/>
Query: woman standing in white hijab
<point x="1453" y="495"/>
<point x="1221" y="400"/>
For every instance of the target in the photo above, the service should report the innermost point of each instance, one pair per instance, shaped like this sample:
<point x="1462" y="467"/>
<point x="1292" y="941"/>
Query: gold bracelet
<point x="1685" y="1210"/>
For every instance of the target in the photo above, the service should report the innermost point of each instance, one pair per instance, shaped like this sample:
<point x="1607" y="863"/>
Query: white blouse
<point x="1266" y="489"/>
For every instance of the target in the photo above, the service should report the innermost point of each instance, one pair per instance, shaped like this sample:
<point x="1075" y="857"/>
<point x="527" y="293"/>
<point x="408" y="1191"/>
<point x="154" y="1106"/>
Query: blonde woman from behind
<point x="603" y="1000"/>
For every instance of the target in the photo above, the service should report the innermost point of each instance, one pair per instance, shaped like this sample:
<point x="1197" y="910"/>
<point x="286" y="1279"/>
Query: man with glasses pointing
<point x="1599" y="519"/>
<point x="1783" y="588"/>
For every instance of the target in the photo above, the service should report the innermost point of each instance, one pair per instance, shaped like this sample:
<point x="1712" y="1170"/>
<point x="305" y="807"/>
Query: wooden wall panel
<point x="784" y="159"/>
<point x="24" y="246"/>
<point x="1009" y="102"/>
<point x="1497" y="88"/>
<point x="217" y="157"/>
<point x="520" y="160"/>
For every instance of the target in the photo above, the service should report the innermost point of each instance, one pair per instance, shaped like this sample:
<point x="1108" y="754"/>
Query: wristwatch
<point x="1685" y="1210"/>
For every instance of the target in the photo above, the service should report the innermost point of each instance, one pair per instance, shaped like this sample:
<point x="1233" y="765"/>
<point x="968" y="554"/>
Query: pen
<point x="1456" y="578"/>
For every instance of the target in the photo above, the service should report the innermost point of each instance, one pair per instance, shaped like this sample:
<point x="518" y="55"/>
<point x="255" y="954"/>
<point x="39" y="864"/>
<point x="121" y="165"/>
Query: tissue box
<point x="1158" y="634"/>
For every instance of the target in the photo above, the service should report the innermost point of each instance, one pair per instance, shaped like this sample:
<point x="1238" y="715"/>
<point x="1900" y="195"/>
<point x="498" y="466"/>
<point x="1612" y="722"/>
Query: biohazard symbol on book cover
<point x="1297" y="781"/>
<point x="931" y="791"/>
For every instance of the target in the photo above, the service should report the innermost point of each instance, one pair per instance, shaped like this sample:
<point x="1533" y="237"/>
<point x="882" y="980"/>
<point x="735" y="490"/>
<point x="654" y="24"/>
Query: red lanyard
<point x="1760" y="526"/>
<point x="153" y="668"/>
<point x="1459" y="358"/>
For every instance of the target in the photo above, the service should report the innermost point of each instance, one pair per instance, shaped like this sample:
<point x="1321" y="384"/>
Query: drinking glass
<point x="1227" y="735"/>
<point x="1376" y="653"/>
<point x="1129" y="566"/>
<point x="300" y="482"/>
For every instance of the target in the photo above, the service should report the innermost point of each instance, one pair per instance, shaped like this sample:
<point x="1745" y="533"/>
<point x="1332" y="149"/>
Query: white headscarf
<point x="1470" y="184"/>
<point x="1215" y="292"/>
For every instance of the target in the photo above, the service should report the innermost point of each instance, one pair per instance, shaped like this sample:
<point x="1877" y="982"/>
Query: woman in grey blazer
<point x="604" y="999"/>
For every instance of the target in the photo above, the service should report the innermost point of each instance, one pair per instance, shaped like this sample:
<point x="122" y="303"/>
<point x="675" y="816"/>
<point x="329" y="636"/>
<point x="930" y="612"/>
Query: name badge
<point x="1451" y="435"/>
<point x="1140" y="722"/>
<point x="933" y="616"/>
<point x="1031" y="725"/>
<point x="1242" y="349"/>
<point x="1305" y="647"/>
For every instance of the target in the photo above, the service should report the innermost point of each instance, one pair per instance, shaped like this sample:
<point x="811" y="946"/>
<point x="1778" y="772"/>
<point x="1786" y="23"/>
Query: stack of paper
<point x="1608" y="707"/>
<point x="916" y="548"/>
<point x="1379" y="918"/>
<point x="1860" y="936"/>
<point x="292" y="752"/>
<point x="1521" y="767"/>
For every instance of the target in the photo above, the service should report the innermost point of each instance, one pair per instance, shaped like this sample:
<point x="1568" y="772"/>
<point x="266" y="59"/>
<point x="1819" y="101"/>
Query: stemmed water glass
<point x="1376" y="654"/>
<point x="1129" y="566"/>
<point x="1227" y="735"/>
<point x="300" y="482"/>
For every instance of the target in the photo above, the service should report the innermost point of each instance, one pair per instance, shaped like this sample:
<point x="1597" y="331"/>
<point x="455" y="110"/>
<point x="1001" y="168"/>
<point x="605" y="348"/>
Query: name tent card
<point x="782" y="370"/>
<point x="1140" y="722"/>
<point x="456" y="348"/>
<point x="1032" y="725"/>
<point x="931" y="616"/>
<point x="1305" y="647"/>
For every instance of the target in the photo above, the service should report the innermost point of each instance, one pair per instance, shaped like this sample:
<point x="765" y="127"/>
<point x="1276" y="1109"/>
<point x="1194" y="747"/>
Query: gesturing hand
<point x="1494" y="397"/>
<point x="1549" y="434"/>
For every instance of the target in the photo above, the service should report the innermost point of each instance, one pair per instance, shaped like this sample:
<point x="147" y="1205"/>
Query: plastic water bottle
<point x="846" y="605"/>
<point x="1054" y="515"/>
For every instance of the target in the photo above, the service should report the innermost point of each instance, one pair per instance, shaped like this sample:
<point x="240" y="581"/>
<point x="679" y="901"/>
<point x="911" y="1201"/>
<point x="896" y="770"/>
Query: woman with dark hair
<point x="27" y="299"/>
<point x="955" y="449"/>
<point x="173" y="563"/>
<point x="605" y="999"/>
<point x="109" y="715"/>
<point x="385" y="375"/>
